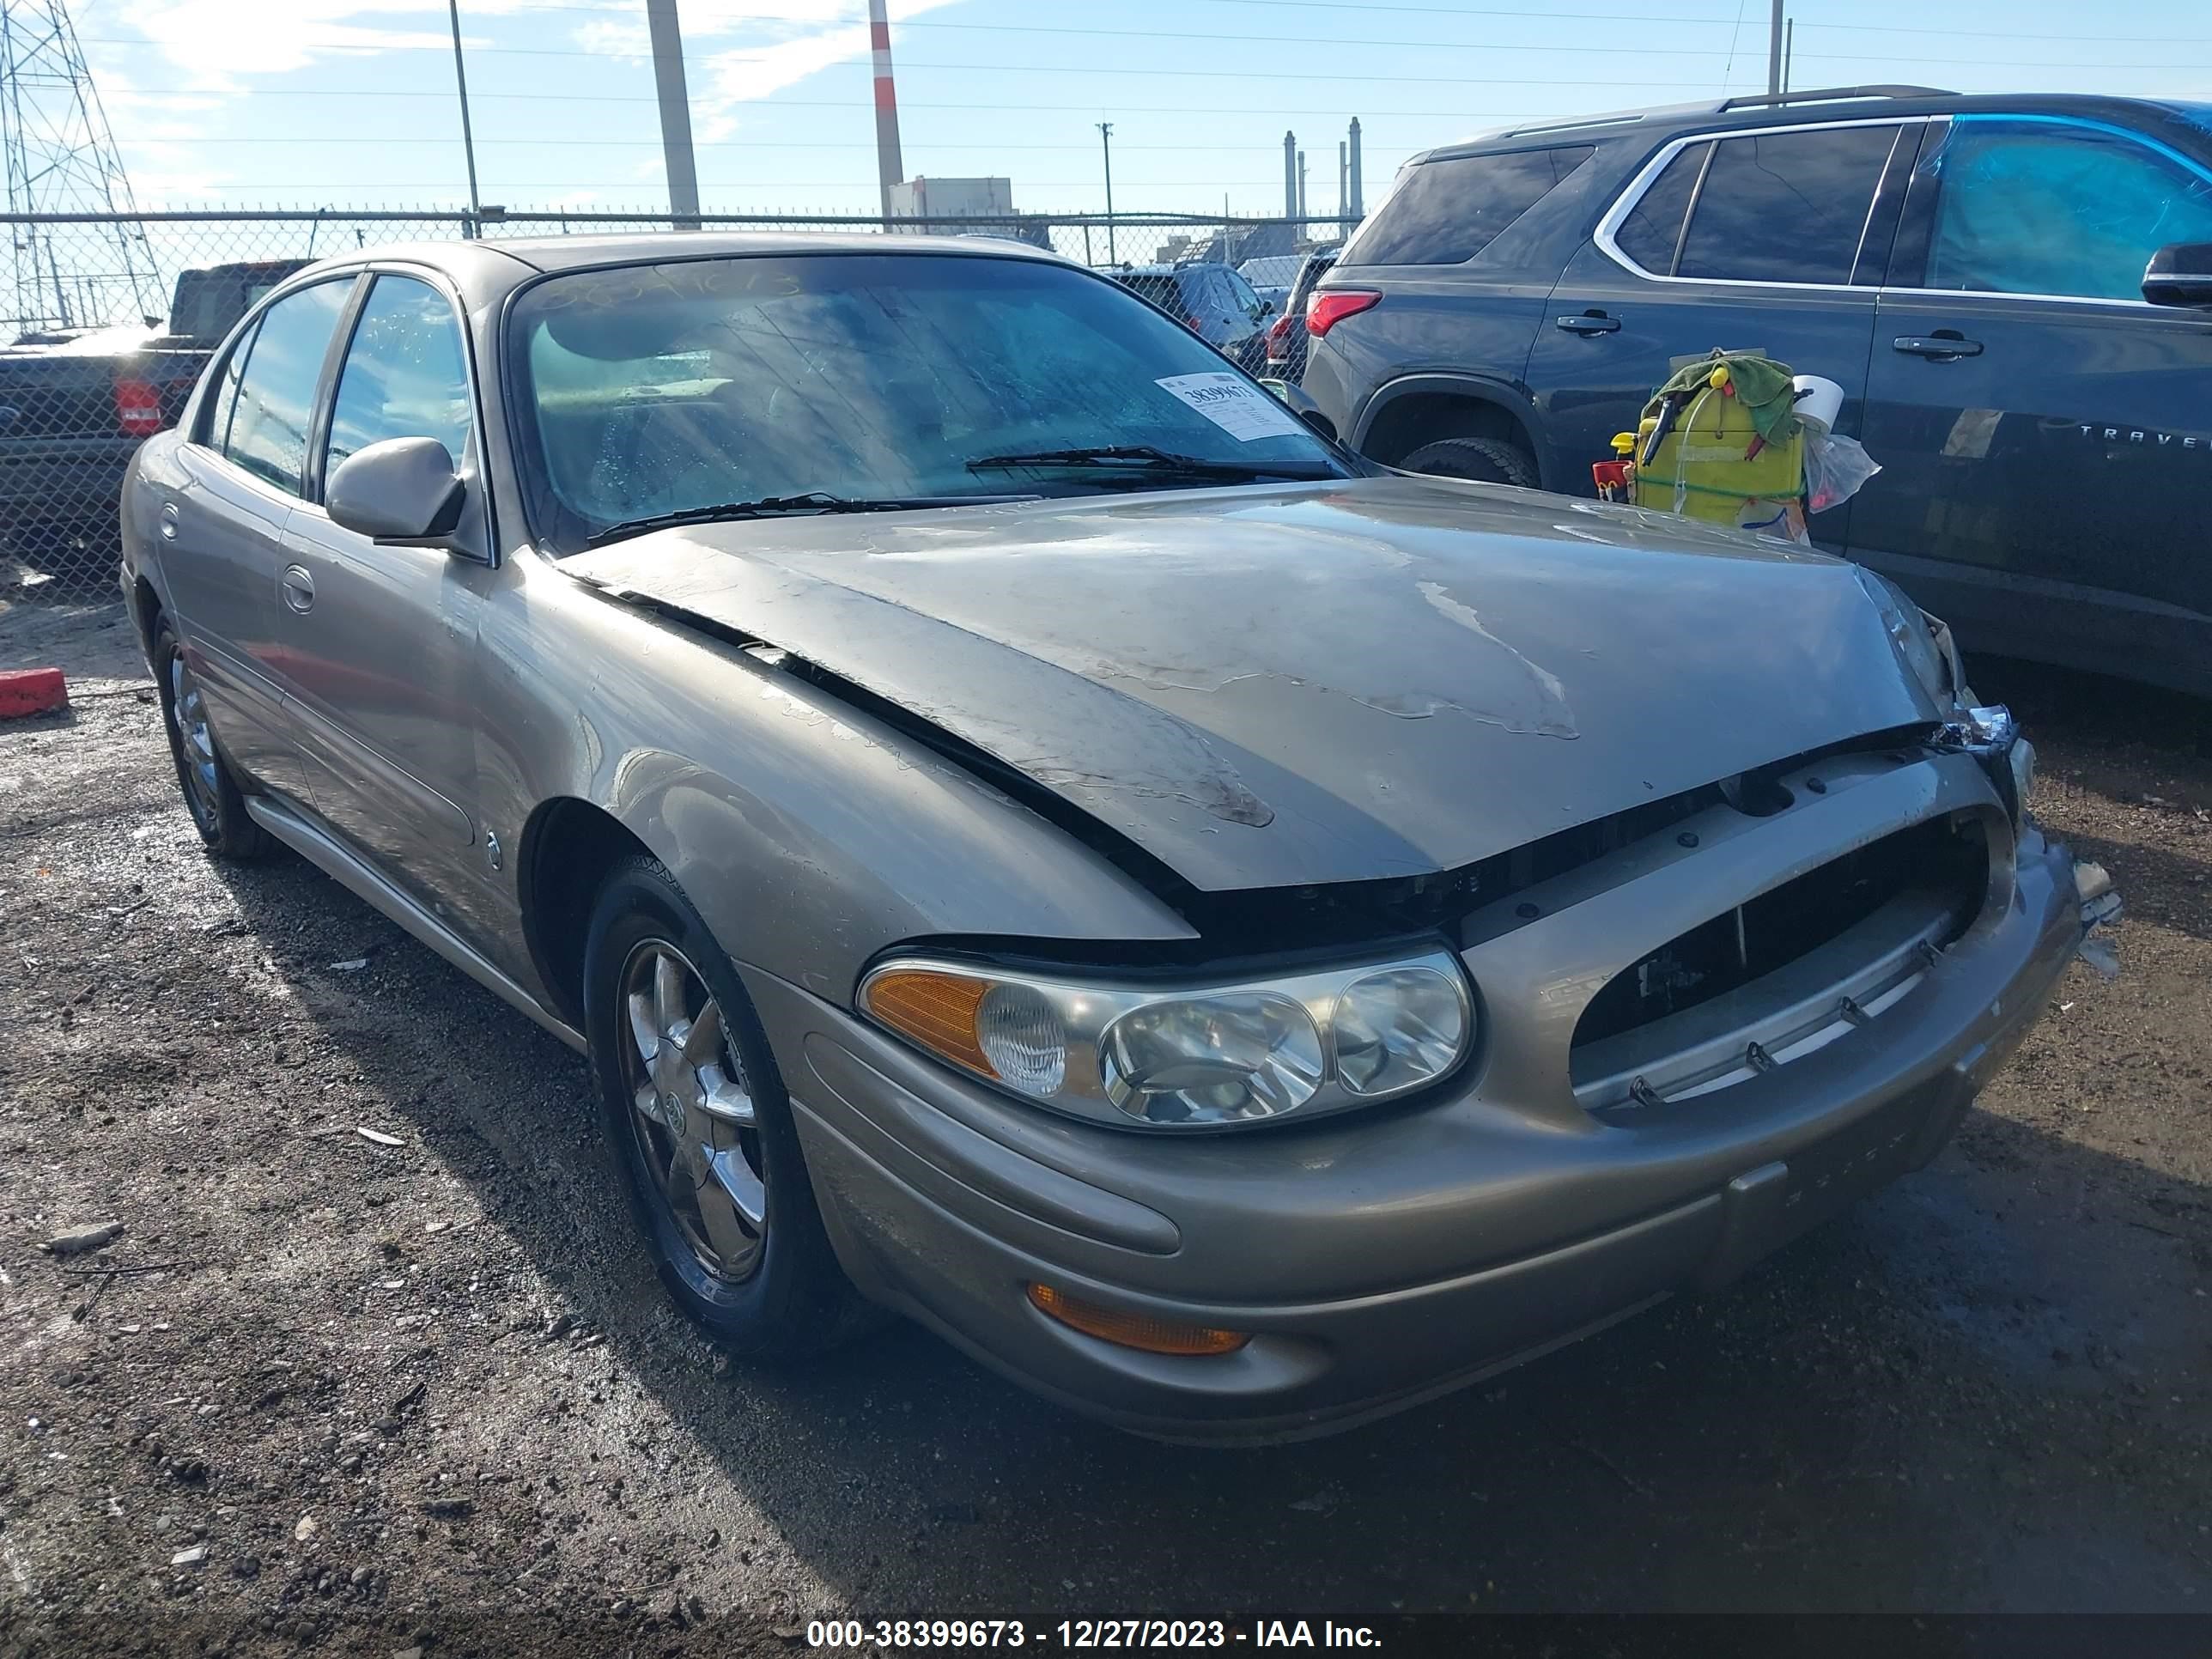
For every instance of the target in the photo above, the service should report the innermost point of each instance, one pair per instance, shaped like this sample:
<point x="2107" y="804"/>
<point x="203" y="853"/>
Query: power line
<point x="1270" y="76"/>
<point x="381" y="139"/>
<point x="1270" y="110"/>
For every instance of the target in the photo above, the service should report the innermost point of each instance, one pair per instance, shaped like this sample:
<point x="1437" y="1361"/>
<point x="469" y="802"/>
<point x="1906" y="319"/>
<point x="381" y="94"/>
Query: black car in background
<point x="1209" y="298"/>
<point x="1286" y="335"/>
<point x="1970" y="270"/>
<point x="74" y="408"/>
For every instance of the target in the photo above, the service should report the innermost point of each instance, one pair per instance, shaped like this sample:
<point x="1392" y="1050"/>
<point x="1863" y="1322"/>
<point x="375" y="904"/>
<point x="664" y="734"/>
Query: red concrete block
<point x="31" y="691"/>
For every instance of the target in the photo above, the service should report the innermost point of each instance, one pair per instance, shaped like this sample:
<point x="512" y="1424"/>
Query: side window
<point x="2047" y="207"/>
<point x="1444" y="213"/>
<point x="222" y="397"/>
<point x="405" y="373"/>
<point x="1785" y="207"/>
<point x="1653" y="227"/>
<point x="268" y="433"/>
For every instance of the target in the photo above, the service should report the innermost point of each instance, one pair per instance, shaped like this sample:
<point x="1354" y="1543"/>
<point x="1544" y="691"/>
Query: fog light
<point x="1130" y="1330"/>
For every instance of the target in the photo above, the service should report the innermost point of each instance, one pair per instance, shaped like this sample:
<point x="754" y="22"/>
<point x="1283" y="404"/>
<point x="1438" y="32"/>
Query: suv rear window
<point x="1775" y="206"/>
<point x="1444" y="213"/>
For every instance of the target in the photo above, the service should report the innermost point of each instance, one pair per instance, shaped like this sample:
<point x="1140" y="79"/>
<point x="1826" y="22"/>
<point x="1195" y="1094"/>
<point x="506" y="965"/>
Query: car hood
<point x="1307" y="683"/>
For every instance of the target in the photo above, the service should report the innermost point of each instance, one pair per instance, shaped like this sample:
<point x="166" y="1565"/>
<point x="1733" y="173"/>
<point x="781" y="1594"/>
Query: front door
<point x="383" y="654"/>
<point x="1768" y="241"/>
<point x="2046" y="436"/>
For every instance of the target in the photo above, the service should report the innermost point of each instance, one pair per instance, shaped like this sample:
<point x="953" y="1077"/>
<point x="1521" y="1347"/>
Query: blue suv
<point x="2015" y="293"/>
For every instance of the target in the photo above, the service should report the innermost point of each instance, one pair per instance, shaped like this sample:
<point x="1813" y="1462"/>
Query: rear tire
<point x="1481" y="460"/>
<point x="211" y="792"/>
<point x="696" y="1113"/>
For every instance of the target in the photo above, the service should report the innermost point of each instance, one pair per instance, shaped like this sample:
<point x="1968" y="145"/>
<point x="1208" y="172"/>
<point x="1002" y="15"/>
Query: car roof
<point x="481" y="268"/>
<point x="1817" y="105"/>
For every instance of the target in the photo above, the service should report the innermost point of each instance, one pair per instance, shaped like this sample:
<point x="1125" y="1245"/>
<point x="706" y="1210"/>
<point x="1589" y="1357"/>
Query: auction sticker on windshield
<point x="1234" y="405"/>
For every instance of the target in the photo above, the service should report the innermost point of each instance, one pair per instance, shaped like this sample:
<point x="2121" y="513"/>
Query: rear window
<point x="1786" y="207"/>
<point x="1444" y="213"/>
<point x="1276" y="271"/>
<point x="1774" y="207"/>
<point x="1653" y="229"/>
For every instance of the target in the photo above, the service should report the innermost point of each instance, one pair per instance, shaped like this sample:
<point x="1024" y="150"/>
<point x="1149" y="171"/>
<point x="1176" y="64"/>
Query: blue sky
<point x="350" y="102"/>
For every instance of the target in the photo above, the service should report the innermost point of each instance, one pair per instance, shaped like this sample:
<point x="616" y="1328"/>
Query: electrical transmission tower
<point x="61" y="158"/>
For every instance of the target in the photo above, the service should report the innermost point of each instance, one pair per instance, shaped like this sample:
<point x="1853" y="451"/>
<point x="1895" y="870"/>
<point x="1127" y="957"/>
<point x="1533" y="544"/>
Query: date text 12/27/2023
<point x="1086" y="1633"/>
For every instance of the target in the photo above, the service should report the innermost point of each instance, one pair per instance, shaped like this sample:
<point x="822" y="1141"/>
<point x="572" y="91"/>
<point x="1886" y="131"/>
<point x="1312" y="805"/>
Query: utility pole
<point x="468" y="138"/>
<point x="1359" y="206"/>
<point x="675" y="112"/>
<point x="1774" y="51"/>
<point x="1343" y="183"/>
<point x="890" y="168"/>
<point x="1789" y="51"/>
<point x="1301" y="185"/>
<point x="1106" y="143"/>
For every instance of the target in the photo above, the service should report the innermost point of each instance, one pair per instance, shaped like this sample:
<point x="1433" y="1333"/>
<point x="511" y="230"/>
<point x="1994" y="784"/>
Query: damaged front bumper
<point x="1379" y="1259"/>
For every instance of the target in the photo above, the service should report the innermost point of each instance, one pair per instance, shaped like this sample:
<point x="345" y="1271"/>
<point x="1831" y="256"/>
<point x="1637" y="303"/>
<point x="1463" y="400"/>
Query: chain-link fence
<point x="107" y="319"/>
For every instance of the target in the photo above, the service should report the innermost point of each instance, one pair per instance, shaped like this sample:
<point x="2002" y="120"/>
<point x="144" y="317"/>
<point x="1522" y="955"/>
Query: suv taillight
<point x="138" y="408"/>
<point x="1324" y="311"/>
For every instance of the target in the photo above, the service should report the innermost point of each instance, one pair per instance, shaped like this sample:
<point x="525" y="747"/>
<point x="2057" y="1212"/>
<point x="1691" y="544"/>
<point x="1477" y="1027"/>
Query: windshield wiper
<point x="769" y="507"/>
<point x="1147" y="458"/>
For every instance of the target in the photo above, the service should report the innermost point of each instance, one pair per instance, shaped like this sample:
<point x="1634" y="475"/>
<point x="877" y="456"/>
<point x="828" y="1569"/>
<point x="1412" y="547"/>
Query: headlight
<point x="1186" y="1057"/>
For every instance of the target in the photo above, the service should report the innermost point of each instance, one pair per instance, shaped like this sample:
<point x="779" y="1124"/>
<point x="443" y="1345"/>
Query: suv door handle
<point x="299" y="588"/>
<point x="1590" y="322"/>
<point x="1941" y="347"/>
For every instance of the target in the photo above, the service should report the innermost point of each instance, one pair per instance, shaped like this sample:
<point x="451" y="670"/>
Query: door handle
<point x="299" y="589"/>
<point x="1940" y="347"/>
<point x="1590" y="322"/>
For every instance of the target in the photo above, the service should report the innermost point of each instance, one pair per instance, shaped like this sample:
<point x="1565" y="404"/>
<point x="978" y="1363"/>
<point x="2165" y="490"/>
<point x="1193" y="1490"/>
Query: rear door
<point x="1771" y="240"/>
<point x="222" y="531"/>
<point x="381" y="639"/>
<point x="2046" y="436"/>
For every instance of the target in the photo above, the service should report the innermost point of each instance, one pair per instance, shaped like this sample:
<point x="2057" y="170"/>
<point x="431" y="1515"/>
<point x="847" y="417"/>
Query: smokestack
<point x="890" y="169"/>
<point x="1302" y="185"/>
<point x="1290" y="175"/>
<point x="1358" y="208"/>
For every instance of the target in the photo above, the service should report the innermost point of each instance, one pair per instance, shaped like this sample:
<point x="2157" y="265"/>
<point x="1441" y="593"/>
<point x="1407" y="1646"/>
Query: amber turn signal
<point x="937" y="1010"/>
<point x="1130" y="1330"/>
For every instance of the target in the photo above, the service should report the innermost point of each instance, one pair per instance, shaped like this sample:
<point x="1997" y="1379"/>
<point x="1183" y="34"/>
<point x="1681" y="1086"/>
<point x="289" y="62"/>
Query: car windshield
<point x="646" y="391"/>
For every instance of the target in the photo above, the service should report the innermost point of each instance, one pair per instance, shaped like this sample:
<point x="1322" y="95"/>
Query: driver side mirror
<point x="402" y="492"/>
<point x="2180" y="274"/>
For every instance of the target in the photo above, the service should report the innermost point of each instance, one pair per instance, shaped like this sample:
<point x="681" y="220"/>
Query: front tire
<point x="1482" y="460"/>
<point x="695" y="1111"/>
<point x="212" y="793"/>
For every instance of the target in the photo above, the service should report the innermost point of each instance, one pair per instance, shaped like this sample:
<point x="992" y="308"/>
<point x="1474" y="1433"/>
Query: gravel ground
<point x="417" y="1392"/>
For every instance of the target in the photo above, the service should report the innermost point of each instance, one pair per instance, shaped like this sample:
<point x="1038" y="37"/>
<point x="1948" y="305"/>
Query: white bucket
<point x="1818" y="402"/>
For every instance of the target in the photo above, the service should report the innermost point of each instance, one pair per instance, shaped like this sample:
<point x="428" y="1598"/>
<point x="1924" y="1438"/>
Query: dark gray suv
<point x="1971" y="269"/>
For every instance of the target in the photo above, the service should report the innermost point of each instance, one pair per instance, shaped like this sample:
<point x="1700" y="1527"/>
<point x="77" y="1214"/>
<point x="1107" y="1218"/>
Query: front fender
<point x="810" y="835"/>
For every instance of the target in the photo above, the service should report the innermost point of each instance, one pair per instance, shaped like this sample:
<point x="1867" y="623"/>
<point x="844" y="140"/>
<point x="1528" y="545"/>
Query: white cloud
<point x="217" y="42"/>
<point x="743" y="75"/>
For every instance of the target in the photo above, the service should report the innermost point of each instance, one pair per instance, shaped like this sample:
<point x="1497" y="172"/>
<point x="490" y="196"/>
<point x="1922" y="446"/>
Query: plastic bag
<point x="1836" y="469"/>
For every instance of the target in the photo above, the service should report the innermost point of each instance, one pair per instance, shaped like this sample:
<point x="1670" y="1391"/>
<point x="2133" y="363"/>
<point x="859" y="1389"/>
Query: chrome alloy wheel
<point x="691" y="1111"/>
<point x="195" y="755"/>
